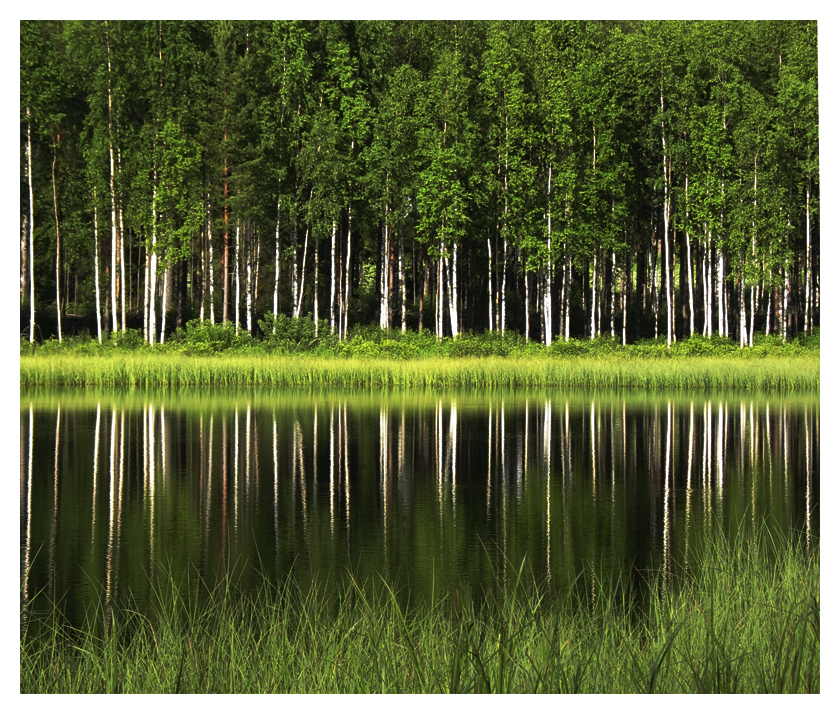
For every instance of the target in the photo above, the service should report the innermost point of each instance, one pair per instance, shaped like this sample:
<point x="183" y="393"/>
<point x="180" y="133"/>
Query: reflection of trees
<point x="565" y="479"/>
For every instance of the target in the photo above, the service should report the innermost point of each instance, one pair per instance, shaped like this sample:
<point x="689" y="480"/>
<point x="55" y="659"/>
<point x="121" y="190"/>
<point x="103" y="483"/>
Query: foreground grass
<point x="150" y="369"/>
<point x="747" y="620"/>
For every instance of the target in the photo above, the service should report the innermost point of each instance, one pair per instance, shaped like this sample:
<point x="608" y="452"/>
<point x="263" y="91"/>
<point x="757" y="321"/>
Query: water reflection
<point x="576" y="483"/>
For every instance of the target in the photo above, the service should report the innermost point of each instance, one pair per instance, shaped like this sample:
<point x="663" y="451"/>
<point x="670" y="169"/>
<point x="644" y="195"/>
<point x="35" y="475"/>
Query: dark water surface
<point x="427" y="489"/>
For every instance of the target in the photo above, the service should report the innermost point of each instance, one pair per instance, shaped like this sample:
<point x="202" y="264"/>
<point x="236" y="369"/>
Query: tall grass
<point x="746" y="619"/>
<point x="144" y="369"/>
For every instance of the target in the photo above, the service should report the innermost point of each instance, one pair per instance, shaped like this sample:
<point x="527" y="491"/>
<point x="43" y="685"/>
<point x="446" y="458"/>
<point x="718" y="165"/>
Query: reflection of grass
<point x="747" y="620"/>
<point x="145" y="369"/>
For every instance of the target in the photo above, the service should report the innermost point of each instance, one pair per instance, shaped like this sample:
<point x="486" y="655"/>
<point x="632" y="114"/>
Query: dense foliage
<point x="555" y="179"/>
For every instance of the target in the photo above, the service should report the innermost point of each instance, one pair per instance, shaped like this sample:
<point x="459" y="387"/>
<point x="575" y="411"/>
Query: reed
<point x="151" y="369"/>
<point x="746" y="618"/>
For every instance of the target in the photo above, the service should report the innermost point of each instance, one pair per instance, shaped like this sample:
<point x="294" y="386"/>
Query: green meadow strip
<point x="745" y="620"/>
<point x="146" y="370"/>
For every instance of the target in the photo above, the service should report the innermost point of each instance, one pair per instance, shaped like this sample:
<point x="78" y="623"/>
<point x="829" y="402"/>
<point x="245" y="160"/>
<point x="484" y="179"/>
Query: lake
<point x="429" y="490"/>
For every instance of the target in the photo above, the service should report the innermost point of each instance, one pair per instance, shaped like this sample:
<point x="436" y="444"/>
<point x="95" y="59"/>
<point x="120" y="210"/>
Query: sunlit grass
<point x="747" y="619"/>
<point x="801" y="373"/>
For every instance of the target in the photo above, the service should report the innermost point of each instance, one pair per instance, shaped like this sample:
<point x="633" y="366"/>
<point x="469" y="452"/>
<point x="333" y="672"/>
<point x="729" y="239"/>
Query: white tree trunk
<point x="114" y="286"/>
<point x="721" y="284"/>
<point x="249" y="284"/>
<point x="236" y="268"/>
<point x="31" y="228"/>
<point x="332" y="279"/>
<point x="163" y="301"/>
<point x="808" y="324"/>
<point x="315" y="262"/>
<point x="277" y="259"/>
<point x="57" y="248"/>
<point x="210" y="264"/>
<point x="666" y="216"/>
<point x="527" y="305"/>
<point x="548" y="270"/>
<point x="439" y="301"/>
<point x="489" y="285"/>
<point x="689" y="272"/>
<point x="151" y="295"/>
<point x="785" y="290"/>
<point x="96" y="269"/>
<point x="594" y="279"/>
<point x="383" y="276"/>
<point x="401" y="274"/>
<point x="299" y="300"/>
<point x="294" y="266"/>
<point x="504" y="281"/>
<point x="452" y="289"/>
<point x="347" y="273"/>
<point x="123" y="287"/>
<point x="568" y="299"/>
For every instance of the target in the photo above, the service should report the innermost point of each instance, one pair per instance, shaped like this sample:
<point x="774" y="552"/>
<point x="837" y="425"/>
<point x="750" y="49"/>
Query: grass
<point x="746" y="619"/>
<point x="232" y="370"/>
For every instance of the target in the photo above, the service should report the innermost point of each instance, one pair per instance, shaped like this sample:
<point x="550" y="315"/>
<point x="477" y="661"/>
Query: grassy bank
<point x="747" y="620"/>
<point x="150" y="369"/>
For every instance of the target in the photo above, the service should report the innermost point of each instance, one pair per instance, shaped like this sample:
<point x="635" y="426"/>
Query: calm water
<point x="117" y="486"/>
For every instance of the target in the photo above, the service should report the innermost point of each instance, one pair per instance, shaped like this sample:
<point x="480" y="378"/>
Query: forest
<point x="555" y="179"/>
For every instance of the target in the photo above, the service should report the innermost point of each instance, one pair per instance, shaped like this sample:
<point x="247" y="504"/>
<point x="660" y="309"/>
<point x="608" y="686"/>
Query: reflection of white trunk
<point x="111" y="557"/>
<point x="95" y="469"/>
<point x="276" y="485"/>
<point x="28" y="554"/>
<point x="453" y="443"/>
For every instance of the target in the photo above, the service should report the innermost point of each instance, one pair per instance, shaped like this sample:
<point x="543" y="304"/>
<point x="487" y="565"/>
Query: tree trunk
<point x="548" y="266"/>
<point x="315" y="263"/>
<point x="277" y="259"/>
<point x="347" y="272"/>
<point x="332" y="279"/>
<point x="689" y="273"/>
<point x="489" y="284"/>
<point x="210" y="264"/>
<point x="504" y="280"/>
<point x="666" y="215"/>
<point x="299" y="301"/>
<point x="96" y="269"/>
<point x="721" y="283"/>
<point x="808" y="321"/>
<point x="249" y="284"/>
<point x="401" y="275"/>
<point x="383" y="275"/>
<point x="452" y="290"/>
<point x="236" y="281"/>
<point x="151" y="294"/>
<point x="31" y="228"/>
<point x="594" y="296"/>
<point x="57" y="243"/>
<point x="115" y="288"/>
<point x="163" y="301"/>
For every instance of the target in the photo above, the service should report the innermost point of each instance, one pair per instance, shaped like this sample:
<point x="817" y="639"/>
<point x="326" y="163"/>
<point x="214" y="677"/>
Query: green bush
<point x="203" y="338"/>
<point x="287" y="335"/>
